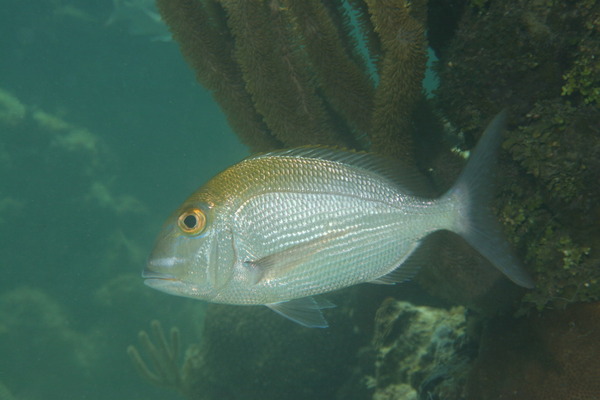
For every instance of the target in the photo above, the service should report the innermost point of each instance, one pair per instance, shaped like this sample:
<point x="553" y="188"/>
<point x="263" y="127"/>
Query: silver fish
<point x="279" y="228"/>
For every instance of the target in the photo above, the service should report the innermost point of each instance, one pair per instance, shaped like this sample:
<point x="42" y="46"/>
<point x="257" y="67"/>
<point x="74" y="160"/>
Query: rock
<point x="422" y="348"/>
<point x="551" y="356"/>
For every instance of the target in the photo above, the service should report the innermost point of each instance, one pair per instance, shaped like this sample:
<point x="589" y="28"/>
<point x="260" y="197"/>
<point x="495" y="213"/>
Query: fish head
<point x="184" y="254"/>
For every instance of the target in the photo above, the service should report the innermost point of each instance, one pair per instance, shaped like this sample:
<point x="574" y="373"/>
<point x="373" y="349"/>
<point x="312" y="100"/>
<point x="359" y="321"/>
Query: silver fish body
<point x="279" y="228"/>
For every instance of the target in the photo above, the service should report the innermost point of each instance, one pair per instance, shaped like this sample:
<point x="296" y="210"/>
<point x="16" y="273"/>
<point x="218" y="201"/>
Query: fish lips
<point x="150" y="278"/>
<point x="163" y="282"/>
<point x="149" y="274"/>
<point x="156" y="279"/>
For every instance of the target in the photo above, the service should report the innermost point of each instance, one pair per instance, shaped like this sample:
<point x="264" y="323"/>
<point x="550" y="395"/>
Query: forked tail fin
<point x="473" y="193"/>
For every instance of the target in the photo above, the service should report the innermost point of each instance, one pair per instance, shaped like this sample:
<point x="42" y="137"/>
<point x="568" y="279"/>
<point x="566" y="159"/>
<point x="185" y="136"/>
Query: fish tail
<point x="473" y="192"/>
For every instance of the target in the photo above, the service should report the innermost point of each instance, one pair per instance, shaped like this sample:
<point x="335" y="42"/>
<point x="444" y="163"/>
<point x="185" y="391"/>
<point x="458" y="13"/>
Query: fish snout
<point x="161" y="268"/>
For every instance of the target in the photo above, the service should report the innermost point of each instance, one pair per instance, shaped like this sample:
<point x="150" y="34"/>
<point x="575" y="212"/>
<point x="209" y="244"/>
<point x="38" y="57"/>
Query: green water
<point x="104" y="131"/>
<point x="102" y="134"/>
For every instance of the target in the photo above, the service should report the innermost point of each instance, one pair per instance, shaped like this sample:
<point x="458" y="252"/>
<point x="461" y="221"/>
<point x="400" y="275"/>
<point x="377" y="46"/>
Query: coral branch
<point x="294" y="72"/>
<point x="278" y="74"/>
<point x="165" y="371"/>
<point x="402" y="33"/>
<point x="343" y="75"/>
<point x="201" y="31"/>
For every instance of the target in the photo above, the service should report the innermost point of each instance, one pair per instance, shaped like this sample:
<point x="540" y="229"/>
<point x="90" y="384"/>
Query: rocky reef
<point x="551" y="356"/>
<point x="414" y="349"/>
<point x="420" y="352"/>
<point x="243" y="354"/>
<point x="415" y="353"/>
<point x="522" y="55"/>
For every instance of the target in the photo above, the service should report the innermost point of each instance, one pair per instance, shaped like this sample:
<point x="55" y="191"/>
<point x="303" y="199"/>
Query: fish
<point x="281" y="228"/>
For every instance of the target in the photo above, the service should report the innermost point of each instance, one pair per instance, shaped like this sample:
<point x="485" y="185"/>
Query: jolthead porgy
<point x="279" y="228"/>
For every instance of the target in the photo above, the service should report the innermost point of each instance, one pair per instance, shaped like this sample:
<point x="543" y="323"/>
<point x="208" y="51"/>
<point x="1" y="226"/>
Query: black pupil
<point x="190" y="221"/>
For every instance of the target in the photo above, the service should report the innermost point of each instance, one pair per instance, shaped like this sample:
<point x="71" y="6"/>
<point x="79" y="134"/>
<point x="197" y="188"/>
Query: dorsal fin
<point x="394" y="171"/>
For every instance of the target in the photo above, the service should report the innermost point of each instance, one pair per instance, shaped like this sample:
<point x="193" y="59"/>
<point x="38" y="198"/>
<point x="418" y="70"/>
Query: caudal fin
<point x="473" y="192"/>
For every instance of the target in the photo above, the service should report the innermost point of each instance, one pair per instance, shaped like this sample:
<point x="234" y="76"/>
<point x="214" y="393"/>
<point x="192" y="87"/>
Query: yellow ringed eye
<point x="192" y="221"/>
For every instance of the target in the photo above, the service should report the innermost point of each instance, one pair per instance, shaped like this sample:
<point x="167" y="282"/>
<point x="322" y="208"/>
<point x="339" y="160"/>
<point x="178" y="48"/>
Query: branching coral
<point x="163" y="355"/>
<point x="292" y="72"/>
<point x="401" y="31"/>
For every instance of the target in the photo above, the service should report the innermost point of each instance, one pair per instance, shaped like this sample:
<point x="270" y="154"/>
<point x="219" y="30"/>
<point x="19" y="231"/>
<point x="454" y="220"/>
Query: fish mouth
<point x="160" y="281"/>
<point x="148" y="274"/>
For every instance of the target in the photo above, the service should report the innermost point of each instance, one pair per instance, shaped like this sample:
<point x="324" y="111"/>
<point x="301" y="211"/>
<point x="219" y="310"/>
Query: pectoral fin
<point x="305" y="311"/>
<point x="282" y="262"/>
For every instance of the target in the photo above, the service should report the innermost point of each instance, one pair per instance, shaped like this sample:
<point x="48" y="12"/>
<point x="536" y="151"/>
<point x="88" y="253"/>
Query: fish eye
<point x="192" y="221"/>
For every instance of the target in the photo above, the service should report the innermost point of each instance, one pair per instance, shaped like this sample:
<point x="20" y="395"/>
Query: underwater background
<point x="104" y="130"/>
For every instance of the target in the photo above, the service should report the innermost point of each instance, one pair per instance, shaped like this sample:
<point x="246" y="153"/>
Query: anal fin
<point x="305" y="311"/>
<point x="407" y="268"/>
<point x="403" y="273"/>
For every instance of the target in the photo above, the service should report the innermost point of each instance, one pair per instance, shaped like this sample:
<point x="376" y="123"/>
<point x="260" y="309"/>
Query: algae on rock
<point x="422" y="348"/>
<point x="516" y="53"/>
